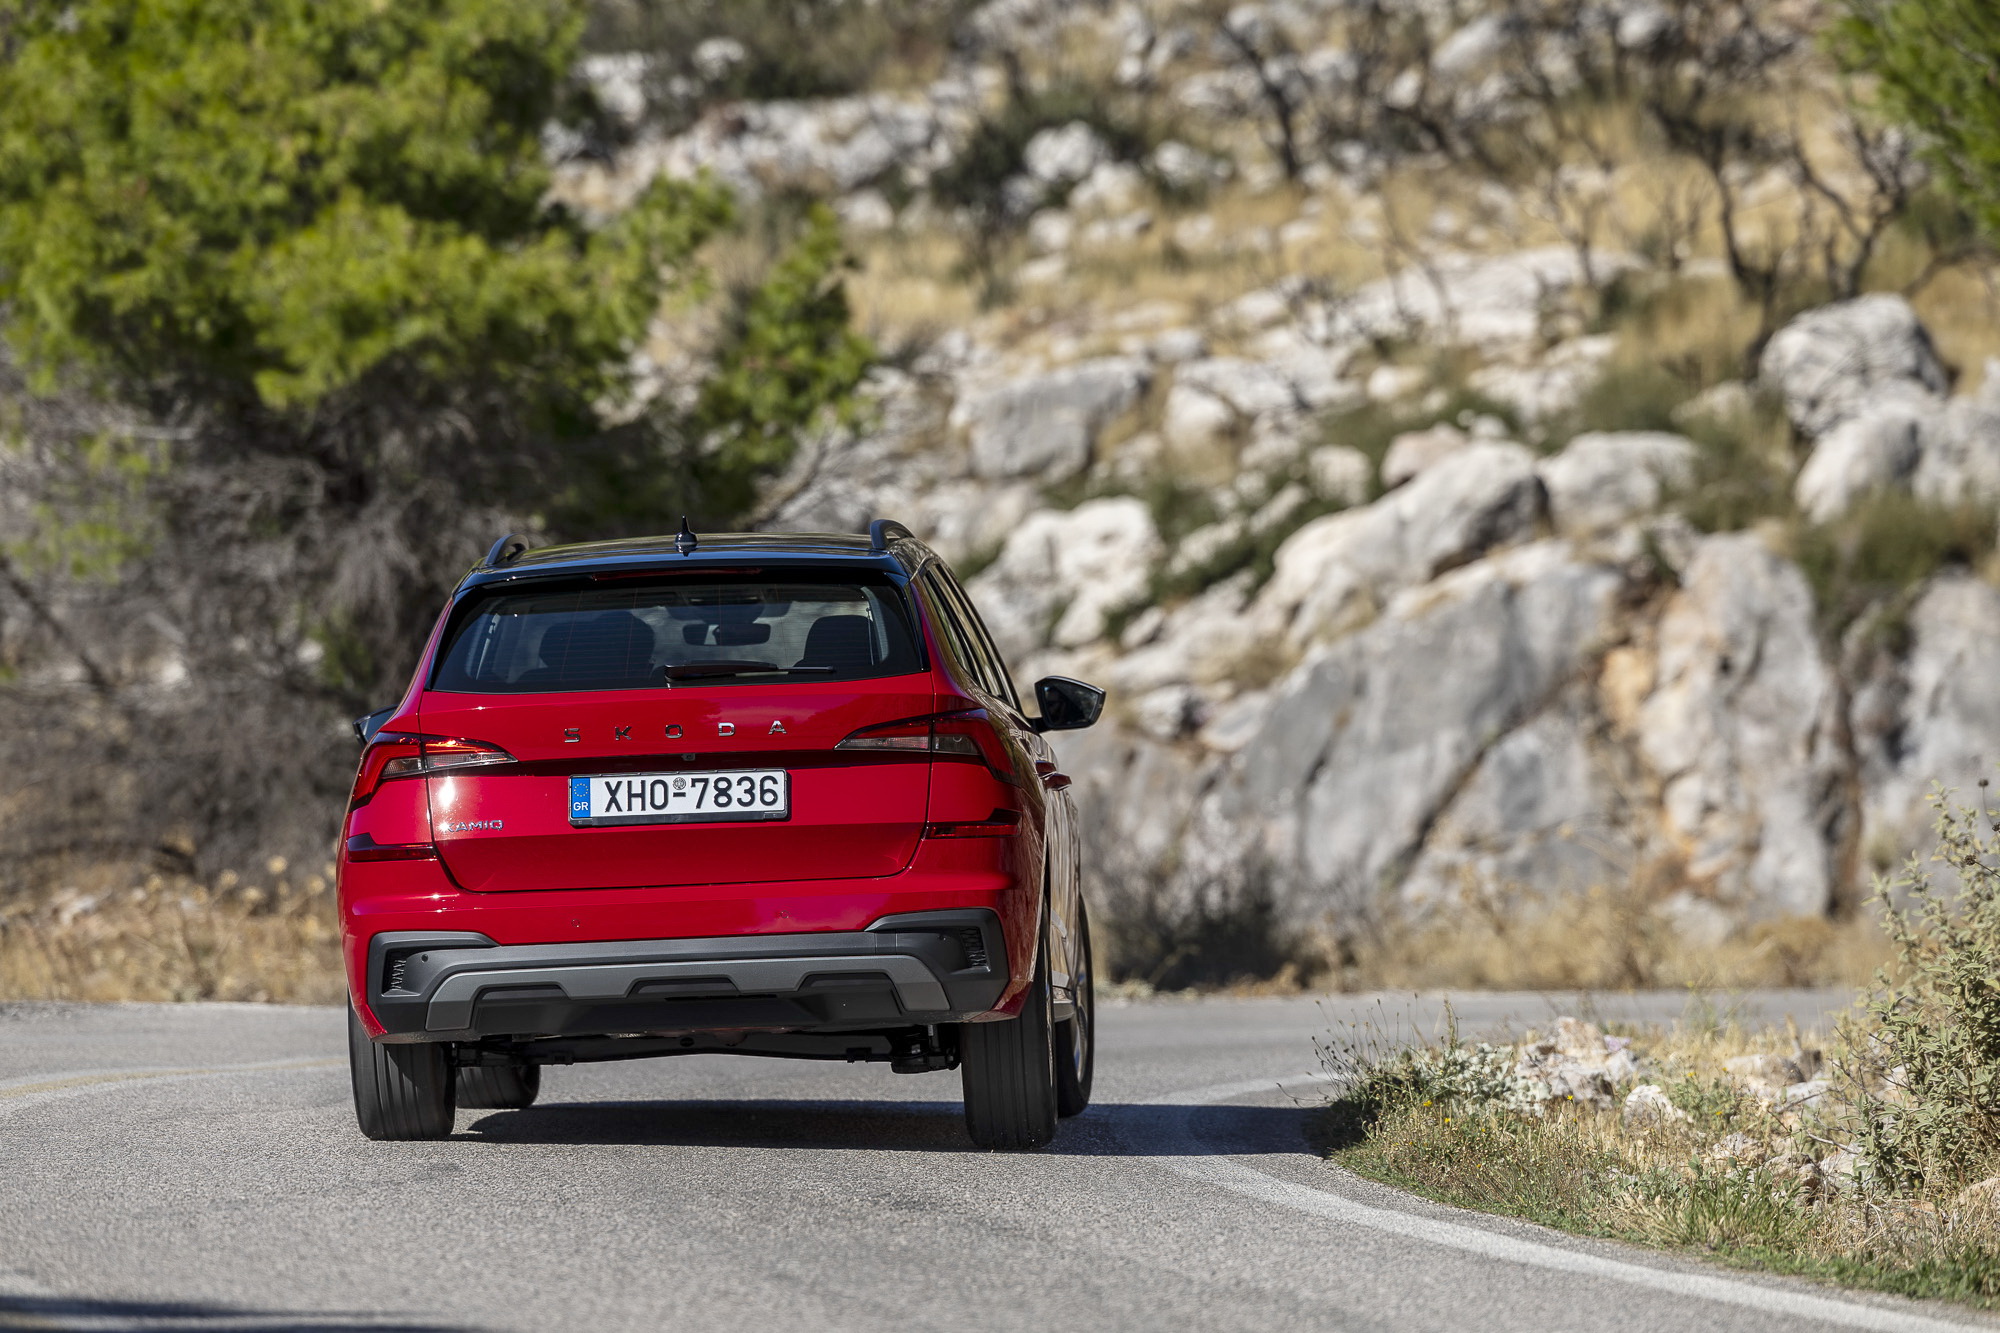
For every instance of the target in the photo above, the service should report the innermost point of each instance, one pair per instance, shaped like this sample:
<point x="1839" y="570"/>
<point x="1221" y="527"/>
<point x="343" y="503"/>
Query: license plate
<point x="680" y="798"/>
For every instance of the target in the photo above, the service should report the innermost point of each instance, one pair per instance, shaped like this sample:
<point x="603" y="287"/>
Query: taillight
<point x="400" y="754"/>
<point x="967" y="734"/>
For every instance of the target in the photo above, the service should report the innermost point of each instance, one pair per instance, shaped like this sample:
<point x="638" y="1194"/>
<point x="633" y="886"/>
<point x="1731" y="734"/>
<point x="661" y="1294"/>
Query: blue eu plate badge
<point x="579" y="798"/>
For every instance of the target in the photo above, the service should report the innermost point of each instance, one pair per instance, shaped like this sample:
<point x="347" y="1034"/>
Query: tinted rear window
<point x="622" y="634"/>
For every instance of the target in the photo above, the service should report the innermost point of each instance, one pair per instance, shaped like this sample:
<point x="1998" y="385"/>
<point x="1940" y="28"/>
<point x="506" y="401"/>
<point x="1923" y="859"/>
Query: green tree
<point x="788" y="358"/>
<point x="307" y="331"/>
<point x="1938" y="64"/>
<point x="286" y="194"/>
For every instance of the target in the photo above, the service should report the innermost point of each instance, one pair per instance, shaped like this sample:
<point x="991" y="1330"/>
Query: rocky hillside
<point x="1445" y="534"/>
<point x="1520" y="466"/>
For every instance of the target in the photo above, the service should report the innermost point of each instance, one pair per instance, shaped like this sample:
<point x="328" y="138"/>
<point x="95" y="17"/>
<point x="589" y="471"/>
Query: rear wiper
<point x="723" y="669"/>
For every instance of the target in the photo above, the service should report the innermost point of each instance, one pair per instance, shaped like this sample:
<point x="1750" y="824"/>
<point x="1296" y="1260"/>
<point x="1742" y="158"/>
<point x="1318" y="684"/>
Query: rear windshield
<point x="722" y="629"/>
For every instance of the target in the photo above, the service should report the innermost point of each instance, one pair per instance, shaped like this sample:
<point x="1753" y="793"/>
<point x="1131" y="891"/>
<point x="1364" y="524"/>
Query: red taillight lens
<point x="399" y="754"/>
<point x="909" y="734"/>
<point x="968" y="734"/>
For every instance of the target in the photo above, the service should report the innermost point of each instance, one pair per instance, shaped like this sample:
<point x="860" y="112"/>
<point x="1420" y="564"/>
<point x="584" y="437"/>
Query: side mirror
<point x="1067" y="705"/>
<point x="366" y="727"/>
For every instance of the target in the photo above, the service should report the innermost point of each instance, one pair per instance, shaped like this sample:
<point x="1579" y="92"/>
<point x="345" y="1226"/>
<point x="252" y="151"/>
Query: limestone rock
<point x="1832" y="362"/>
<point x="1737" y="1149"/>
<point x="1469" y="49"/>
<point x="1840" y="1170"/>
<point x="1045" y="425"/>
<point x="1602" y="480"/>
<point x="1543" y="384"/>
<point x="1877" y="447"/>
<point x="1538" y="817"/>
<point x="1932" y="716"/>
<point x="618" y="81"/>
<point x="1643" y="24"/>
<point x="1205" y="544"/>
<point x="1187" y="168"/>
<point x="835" y="146"/>
<point x="1475" y="299"/>
<point x="1413" y="451"/>
<point x="1063" y="155"/>
<point x="1578" y="1038"/>
<point x="1566" y="1072"/>
<point x="714" y="58"/>
<point x="1200" y="642"/>
<point x="1336" y="472"/>
<point x="1738" y="730"/>
<point x="865" y="211"/>
<point x="1648" y="1107"/>
<point x="1961" y="448"/>
<point x="1363" y="745"/>
<point x="1763" y="1073"/>
<point x="1061" y="572"/>
<point x="1194" y="420"/>
<point x="1111" y="187"/>
<point x="1049" y="231"/>
<point x="1337" y="568"/>
<point x="1170" y="712"/>
<point x="1251" y="388"/>
<point x="1794" y="1095"/>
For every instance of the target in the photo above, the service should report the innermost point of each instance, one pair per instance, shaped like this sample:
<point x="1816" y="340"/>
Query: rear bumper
<point x="416" y="899"/>
<point x="906" y="969"/>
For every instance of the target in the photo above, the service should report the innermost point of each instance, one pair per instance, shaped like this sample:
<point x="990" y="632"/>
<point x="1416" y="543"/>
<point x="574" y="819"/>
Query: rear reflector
<point x="999" y="824"/>
<point x="361" y="847"/>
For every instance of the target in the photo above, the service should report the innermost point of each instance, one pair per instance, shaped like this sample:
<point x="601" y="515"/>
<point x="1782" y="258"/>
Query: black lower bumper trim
<point x="925" y="967"/>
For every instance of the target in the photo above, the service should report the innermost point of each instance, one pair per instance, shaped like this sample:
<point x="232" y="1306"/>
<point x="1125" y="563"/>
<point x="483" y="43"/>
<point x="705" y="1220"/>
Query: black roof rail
<point x="885" y="530"/>
<point x="502" y="555"/>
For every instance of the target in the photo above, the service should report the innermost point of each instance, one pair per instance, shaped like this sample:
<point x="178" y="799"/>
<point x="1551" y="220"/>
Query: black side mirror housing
<point x="366" y="727"/>
<point x="1067" y="705"/>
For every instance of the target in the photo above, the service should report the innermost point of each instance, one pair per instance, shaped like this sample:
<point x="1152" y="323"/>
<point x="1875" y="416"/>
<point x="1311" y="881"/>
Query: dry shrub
<point x="1925" y="1062"/>
<point x="178" y="939"/>
<point x="1605" y="938"/>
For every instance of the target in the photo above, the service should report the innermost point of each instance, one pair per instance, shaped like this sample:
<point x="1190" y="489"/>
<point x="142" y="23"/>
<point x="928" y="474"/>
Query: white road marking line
<point x="1229" y="1174"/>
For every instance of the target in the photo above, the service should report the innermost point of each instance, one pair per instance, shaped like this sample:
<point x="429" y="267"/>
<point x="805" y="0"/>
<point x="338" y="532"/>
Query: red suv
<point x="753" y="794"/>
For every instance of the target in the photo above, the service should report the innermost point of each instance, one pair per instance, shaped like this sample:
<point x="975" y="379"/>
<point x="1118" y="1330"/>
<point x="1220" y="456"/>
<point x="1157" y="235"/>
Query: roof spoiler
<point x="506" y="551"/>
<point x="885" y="530"/>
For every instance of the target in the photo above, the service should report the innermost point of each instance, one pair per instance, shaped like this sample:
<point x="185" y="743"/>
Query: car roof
<point x="720" y="550"/>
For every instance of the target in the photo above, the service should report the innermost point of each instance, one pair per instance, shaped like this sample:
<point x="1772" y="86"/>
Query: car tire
<point x="1076" y="1037"/>
<point x="1009" y="1070"/>
<point x="401" y="1091"/>
<point x="499" y="1087"/>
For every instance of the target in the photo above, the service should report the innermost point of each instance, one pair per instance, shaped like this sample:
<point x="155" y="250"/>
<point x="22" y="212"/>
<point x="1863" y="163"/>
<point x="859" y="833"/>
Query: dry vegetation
<point x="1603" y="939"/>
<point x="1873" y="1161"/>
<point x="178" y="939"/>
<point x="1754" y="1200"/>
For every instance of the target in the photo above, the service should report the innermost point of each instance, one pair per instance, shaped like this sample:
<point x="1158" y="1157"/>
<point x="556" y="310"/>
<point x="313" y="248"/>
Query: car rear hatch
<point x="622" y="710"/>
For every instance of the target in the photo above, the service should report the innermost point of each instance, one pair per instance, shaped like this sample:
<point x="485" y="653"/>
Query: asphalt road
<point x="197" y="1167"/>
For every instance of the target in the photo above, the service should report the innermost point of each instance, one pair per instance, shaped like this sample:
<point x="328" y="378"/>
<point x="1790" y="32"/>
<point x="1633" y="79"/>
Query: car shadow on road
<point x="1105" y="1130"/>
<point x="74" y="1312"/>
